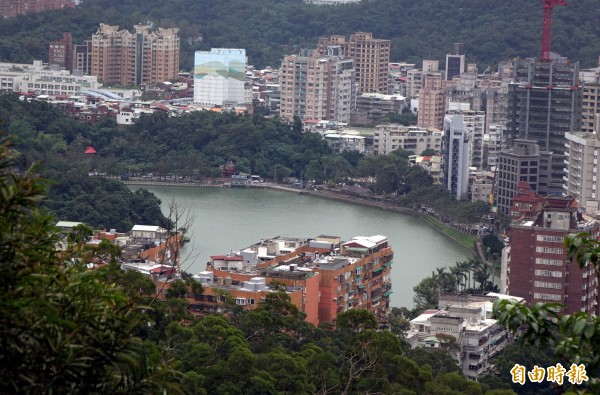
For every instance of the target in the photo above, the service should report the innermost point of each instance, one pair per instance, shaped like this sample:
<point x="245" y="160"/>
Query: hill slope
<point x="268" y="29"/>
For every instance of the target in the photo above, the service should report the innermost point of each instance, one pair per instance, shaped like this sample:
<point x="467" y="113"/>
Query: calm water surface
<point x="229" y="219"/>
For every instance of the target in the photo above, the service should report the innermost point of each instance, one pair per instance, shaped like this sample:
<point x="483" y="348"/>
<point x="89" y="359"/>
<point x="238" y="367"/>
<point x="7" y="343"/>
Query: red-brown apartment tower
<point x="538" y="269"/>
<point x="60" y="52"/>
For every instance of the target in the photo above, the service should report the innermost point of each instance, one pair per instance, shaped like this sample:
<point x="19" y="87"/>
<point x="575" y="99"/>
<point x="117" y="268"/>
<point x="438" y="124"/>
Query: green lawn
<point x="466" y="241"/>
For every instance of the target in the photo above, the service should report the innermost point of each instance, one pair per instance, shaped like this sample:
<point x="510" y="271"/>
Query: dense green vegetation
<point x="44" y="135"/>
<point x="194" y="146"/>
<point x="267" y="29"/>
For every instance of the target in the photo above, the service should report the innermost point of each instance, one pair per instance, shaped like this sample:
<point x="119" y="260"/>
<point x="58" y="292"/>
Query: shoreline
<point x="468" y="241"/>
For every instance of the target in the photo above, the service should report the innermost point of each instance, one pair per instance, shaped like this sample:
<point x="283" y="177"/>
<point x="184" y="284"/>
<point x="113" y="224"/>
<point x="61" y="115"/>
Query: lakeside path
<point x="459" y="237"/>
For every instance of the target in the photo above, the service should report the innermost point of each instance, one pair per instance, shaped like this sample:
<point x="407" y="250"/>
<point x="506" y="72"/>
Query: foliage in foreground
<point x="575" y="338"/>
<point x="63" y="330"/>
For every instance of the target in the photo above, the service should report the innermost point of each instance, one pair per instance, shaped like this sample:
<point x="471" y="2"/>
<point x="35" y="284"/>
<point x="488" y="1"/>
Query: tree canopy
<point x="268" y="29"/>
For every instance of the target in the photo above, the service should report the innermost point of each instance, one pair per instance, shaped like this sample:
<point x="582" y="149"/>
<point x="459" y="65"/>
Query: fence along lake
<point x="228" y="219"/>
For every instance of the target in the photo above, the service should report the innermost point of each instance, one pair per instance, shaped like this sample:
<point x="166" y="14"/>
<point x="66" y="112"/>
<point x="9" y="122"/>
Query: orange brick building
<point x="323" y="276"/>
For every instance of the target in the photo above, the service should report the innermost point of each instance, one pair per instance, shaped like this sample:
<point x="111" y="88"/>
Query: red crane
<point x="548" y="6"/>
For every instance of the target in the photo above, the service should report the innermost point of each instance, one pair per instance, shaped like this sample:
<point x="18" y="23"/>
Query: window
<point x="548" y="273"/>
<point x="549" y="250"/>
<point x="553" y="239"/>
<point x="547" y="284"/>
<point x="545" y="296"/>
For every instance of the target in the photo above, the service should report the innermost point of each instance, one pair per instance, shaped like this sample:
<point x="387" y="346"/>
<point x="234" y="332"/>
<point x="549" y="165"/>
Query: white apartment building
<point x="581" y="168"/>
<point x="455" y="151"/>
<point x="38" y="78"/>
<point x="474" y="122"/>
<point x="390" y="137"/>
<point x="346" y="140"/>
<point x="219" y="77"/>
<point x="466" y="318"/>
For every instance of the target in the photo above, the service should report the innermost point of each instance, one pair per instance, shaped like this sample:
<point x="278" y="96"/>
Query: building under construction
<point x="544" y="103"/>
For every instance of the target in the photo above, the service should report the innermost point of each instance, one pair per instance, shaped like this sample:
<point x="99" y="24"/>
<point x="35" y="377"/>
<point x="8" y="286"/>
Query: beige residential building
<point x="142" y="57"/>
<point x="431" y="98"/>
<point x="317" y="87"/>
<point x="371" y="59"/>
<point x="390" y="137"/>
<point x="591" y="98"/>
<point x="581" y="168"/>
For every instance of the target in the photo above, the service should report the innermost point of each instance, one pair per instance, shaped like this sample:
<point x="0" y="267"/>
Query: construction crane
<point x="547" y="31"/>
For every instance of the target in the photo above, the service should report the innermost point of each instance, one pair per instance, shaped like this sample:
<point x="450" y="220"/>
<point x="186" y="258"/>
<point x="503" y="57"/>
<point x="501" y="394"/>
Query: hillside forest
<point x="269" y="29"/>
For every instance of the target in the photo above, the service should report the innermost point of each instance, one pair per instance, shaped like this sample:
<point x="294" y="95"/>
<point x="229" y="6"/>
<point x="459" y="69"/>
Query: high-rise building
<point x="474" y="122"/>
<point x="544" y="104"/>
<point x="317" y="86"/>
<point x="60" y="52"/>
<point x="523" y="162"/>
<point x="431" y="97"/>
<point x="455" y="149"/>
<point x="219" y="77"/>
<point x="455" y="62"/>
<point x="82" y="58"/>
<point x="371" y="59"/>
<point x="582" y="179"/>
<point x="591" y="99"/>
<point x="536" y="266"/>
<point x="142" y="57"/>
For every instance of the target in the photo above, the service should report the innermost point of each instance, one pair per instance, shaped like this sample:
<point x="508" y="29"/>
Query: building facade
<point x="141" y="57"/>
<point x="581" y="171"/>
<point x="523" y="162"/>
<point x="537" y="267"/>
<point x="455" y="151"/>
<point x="219" y="77"/>
<point x="60" y="52"/>
<point x="328" y="276"/>
<point x="455" y="62"/>
<point x="12" y="8"/>
<point x="371" y="58"/>
<point x="390" y="137"/>
<point x="467" y="319"/>
<point x="319" y="87"/>
<point x="37" y="78"/>
<point x="544" y="104"/>
<point x="431" y="97"/>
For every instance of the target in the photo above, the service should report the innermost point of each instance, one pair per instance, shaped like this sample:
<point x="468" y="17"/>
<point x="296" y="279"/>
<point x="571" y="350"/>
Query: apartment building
<point x="474" y="122"/>
<point x="371" y="58"/>
<point x="219" y="77"/>
<point x="390" y="137"/>
<point x="12" y="8"/>
<point x="455" y="151"/>
<point x="142" y="57"/>
<point x="581" y="171"/>
<point x="82" y="58"/>
<point x="544" y="104"/>
<point x="536" y="266"/>
<point x="590" y="99"/>
<point x="319" y="87"/>
<point x="431" y="97"/>
<point x="372" y="107"/>
<point x="523" y="162"/>
<point x="467" y="319"/>
<point x="323" y="275"/>
<point x="60" y="52"/>
<point x="455" y="61"/>
<point x="37" y="78"/>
